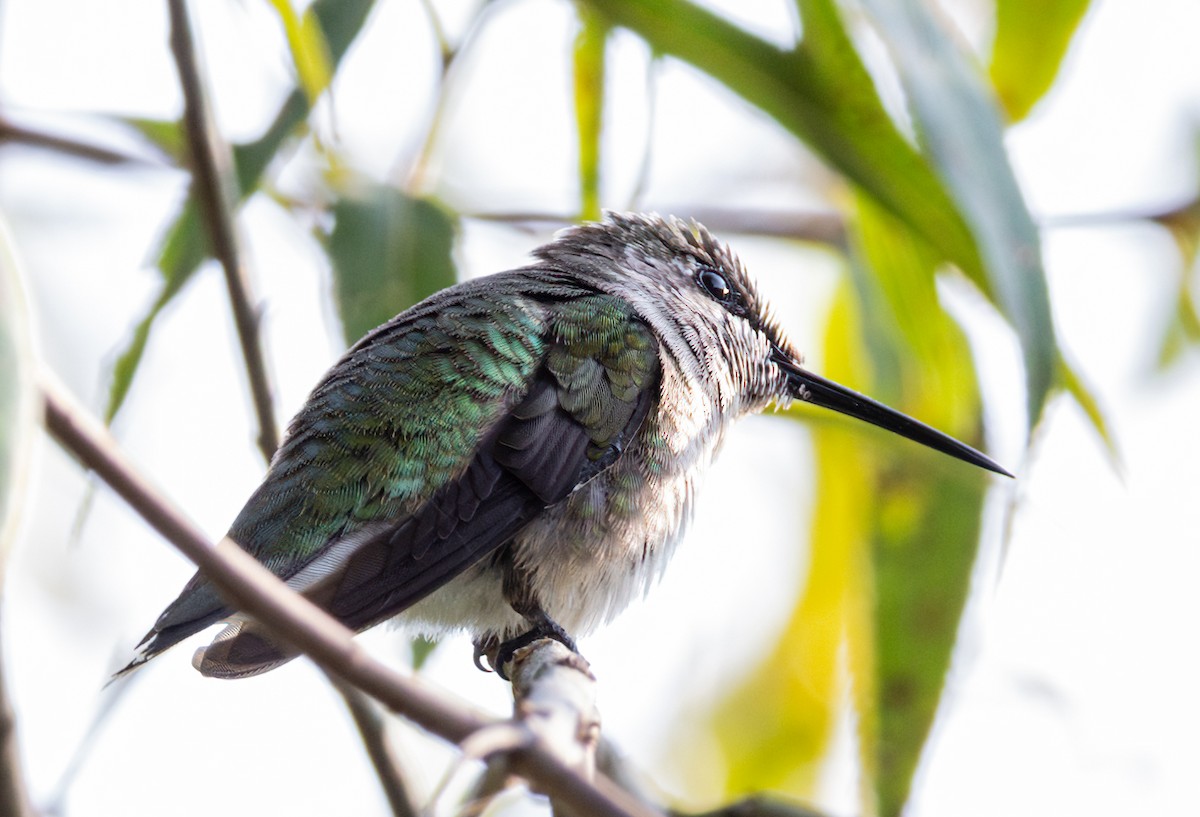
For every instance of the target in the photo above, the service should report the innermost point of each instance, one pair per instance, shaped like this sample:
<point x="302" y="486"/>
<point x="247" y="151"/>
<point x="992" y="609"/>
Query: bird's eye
<point x="714" y="284"/>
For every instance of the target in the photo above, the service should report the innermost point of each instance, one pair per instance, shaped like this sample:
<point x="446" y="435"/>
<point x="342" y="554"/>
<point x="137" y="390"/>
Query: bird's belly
<point x="603" y="546"/>
<point x="585" y="559"/>
<point x="472" y="601"/>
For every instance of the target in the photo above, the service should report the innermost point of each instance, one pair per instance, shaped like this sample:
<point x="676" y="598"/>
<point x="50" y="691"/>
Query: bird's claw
<point x="498" y="653"/>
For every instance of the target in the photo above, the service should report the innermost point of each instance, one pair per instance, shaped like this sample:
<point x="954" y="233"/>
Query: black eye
<point x="714" y="284"/>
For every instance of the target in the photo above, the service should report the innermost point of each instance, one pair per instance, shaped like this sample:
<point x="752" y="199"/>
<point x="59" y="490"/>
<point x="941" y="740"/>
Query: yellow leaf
<point x="310" y="53"/>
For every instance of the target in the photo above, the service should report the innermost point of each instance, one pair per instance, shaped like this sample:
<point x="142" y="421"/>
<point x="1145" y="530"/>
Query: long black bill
<point x="825" y="393"/>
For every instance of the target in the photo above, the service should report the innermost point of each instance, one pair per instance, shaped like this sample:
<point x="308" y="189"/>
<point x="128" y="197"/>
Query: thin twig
<point x="212" y="177"/>
<point x="212" y="163"/>
<point x="642" y="179"/>
<point x="818" y="227"/>
<point x="14" y="797"/>
<point x="251" y="587"/>
<point x="12" y="133"/>
<point x="418" y="171"/>
<point x="374" y="737"/>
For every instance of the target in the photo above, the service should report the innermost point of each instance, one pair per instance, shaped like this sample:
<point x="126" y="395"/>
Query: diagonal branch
<point x="14" y="795"/>
<point x="371" y="730"/>
<point x="212" y="164"/>
<point x="12" y="133"/>
<point x="250" y="587"/>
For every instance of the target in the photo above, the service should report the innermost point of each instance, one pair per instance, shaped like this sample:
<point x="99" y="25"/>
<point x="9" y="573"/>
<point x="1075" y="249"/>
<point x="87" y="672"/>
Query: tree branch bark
<point x="14" y="797"/>
<point x="212" y="179"/>
<point x="554" y="696"/>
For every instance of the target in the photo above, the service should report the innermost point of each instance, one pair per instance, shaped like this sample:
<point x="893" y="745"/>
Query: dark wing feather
<point x="594" y="388"/>
<point x="535" y="458"/>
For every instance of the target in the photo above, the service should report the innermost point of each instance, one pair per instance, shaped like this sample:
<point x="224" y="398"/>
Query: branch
<point x="371" y="731"/>
<point x="11" y="132"/>
<point x="419" y="168"/>
<point x="212" y="162"/>
<point x="554" y="697"/>
<point x="14" y="797"/>
<point x="250" y="587"/>
<point x="818" y="227"/>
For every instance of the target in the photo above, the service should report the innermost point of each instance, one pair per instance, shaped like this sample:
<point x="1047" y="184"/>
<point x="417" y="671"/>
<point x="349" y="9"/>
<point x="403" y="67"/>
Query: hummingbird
<point x="518" y="455"/>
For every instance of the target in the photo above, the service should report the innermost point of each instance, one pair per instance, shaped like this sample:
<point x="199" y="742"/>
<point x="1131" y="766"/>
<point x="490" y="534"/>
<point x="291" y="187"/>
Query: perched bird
<point x="517" y="455"/>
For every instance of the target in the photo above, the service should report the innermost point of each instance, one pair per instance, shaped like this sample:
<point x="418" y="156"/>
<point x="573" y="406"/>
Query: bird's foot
<point x="498" y="653"/>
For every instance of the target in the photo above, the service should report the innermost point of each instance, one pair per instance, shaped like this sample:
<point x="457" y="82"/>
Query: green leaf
<point x="775" y="729"/>
<point x="388" y="251"/>
<point x="164" y="134"/>
<point x="589" y="107"/>
<point x="820" y="92"/>
<point x="892" y="546"/>
<point x="421" y="648"/>
<point x="183" y="249"/>
<point x="17" y="395"/>
<point x="1091" y="407"/>
<point x="307" y="44"/>
<point x="925" y="530"/>
<point x="185" y="244"/>
<point x="960" y="126"/>
<point x="1032" y="37"/>
<point x="1182" y="330"/>
<point x="924" y="521"/>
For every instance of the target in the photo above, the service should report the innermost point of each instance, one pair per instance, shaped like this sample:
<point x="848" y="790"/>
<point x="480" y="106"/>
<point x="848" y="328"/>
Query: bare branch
<point x="374" y="738"/>
<point x="10" y="132"/>
<point x="14" y="797"/>
<point x="250" y="587"/>
<point x="419" y="168"/>
<point x="819" y="227"/>
<point x="554" y="696"/>
<point x="212" y="177"/>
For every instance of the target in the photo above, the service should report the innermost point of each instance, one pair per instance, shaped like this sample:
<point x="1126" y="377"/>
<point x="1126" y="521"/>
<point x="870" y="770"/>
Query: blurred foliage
<point x="893" y="539"/>
<point x="1030" y="43"/>
<point x="821" y="92"/>
<point x="589" y="107"/>
<point x="923" y="522"/>
<point x="388" y="251"/>
<point x="1181" y="328"/>
<point x="306" y="41"/>
<point x="185" y="244"/>
<point x="957" y="121"/>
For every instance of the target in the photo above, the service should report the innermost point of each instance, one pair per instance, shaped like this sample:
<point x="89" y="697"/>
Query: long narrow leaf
<point x="306" y="41"/>
<point x="774" y="731"/>
<point x="821" y="93"/>
<point x="959" y="123"/>
<point x="589" y="107"/>
<point x="1032" y="37"/>
<point x="925" y="521"/>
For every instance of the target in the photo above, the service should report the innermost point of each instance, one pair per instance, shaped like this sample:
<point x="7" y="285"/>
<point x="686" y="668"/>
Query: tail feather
<point x="160" y="640"/>
<point x="243" y="649"/>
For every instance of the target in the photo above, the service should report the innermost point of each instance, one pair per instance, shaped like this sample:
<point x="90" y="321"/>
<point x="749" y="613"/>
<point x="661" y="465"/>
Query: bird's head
<point x="710" y="317"/>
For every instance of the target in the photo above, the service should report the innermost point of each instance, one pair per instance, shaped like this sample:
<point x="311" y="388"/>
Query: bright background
<point x="1074" y="689"/>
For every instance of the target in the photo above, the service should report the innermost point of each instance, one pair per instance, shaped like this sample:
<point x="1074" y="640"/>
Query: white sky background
<point x="1075" y="689"/>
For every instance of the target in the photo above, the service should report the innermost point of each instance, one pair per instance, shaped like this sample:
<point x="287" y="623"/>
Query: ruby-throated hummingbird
<point x="517" y="455"/>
